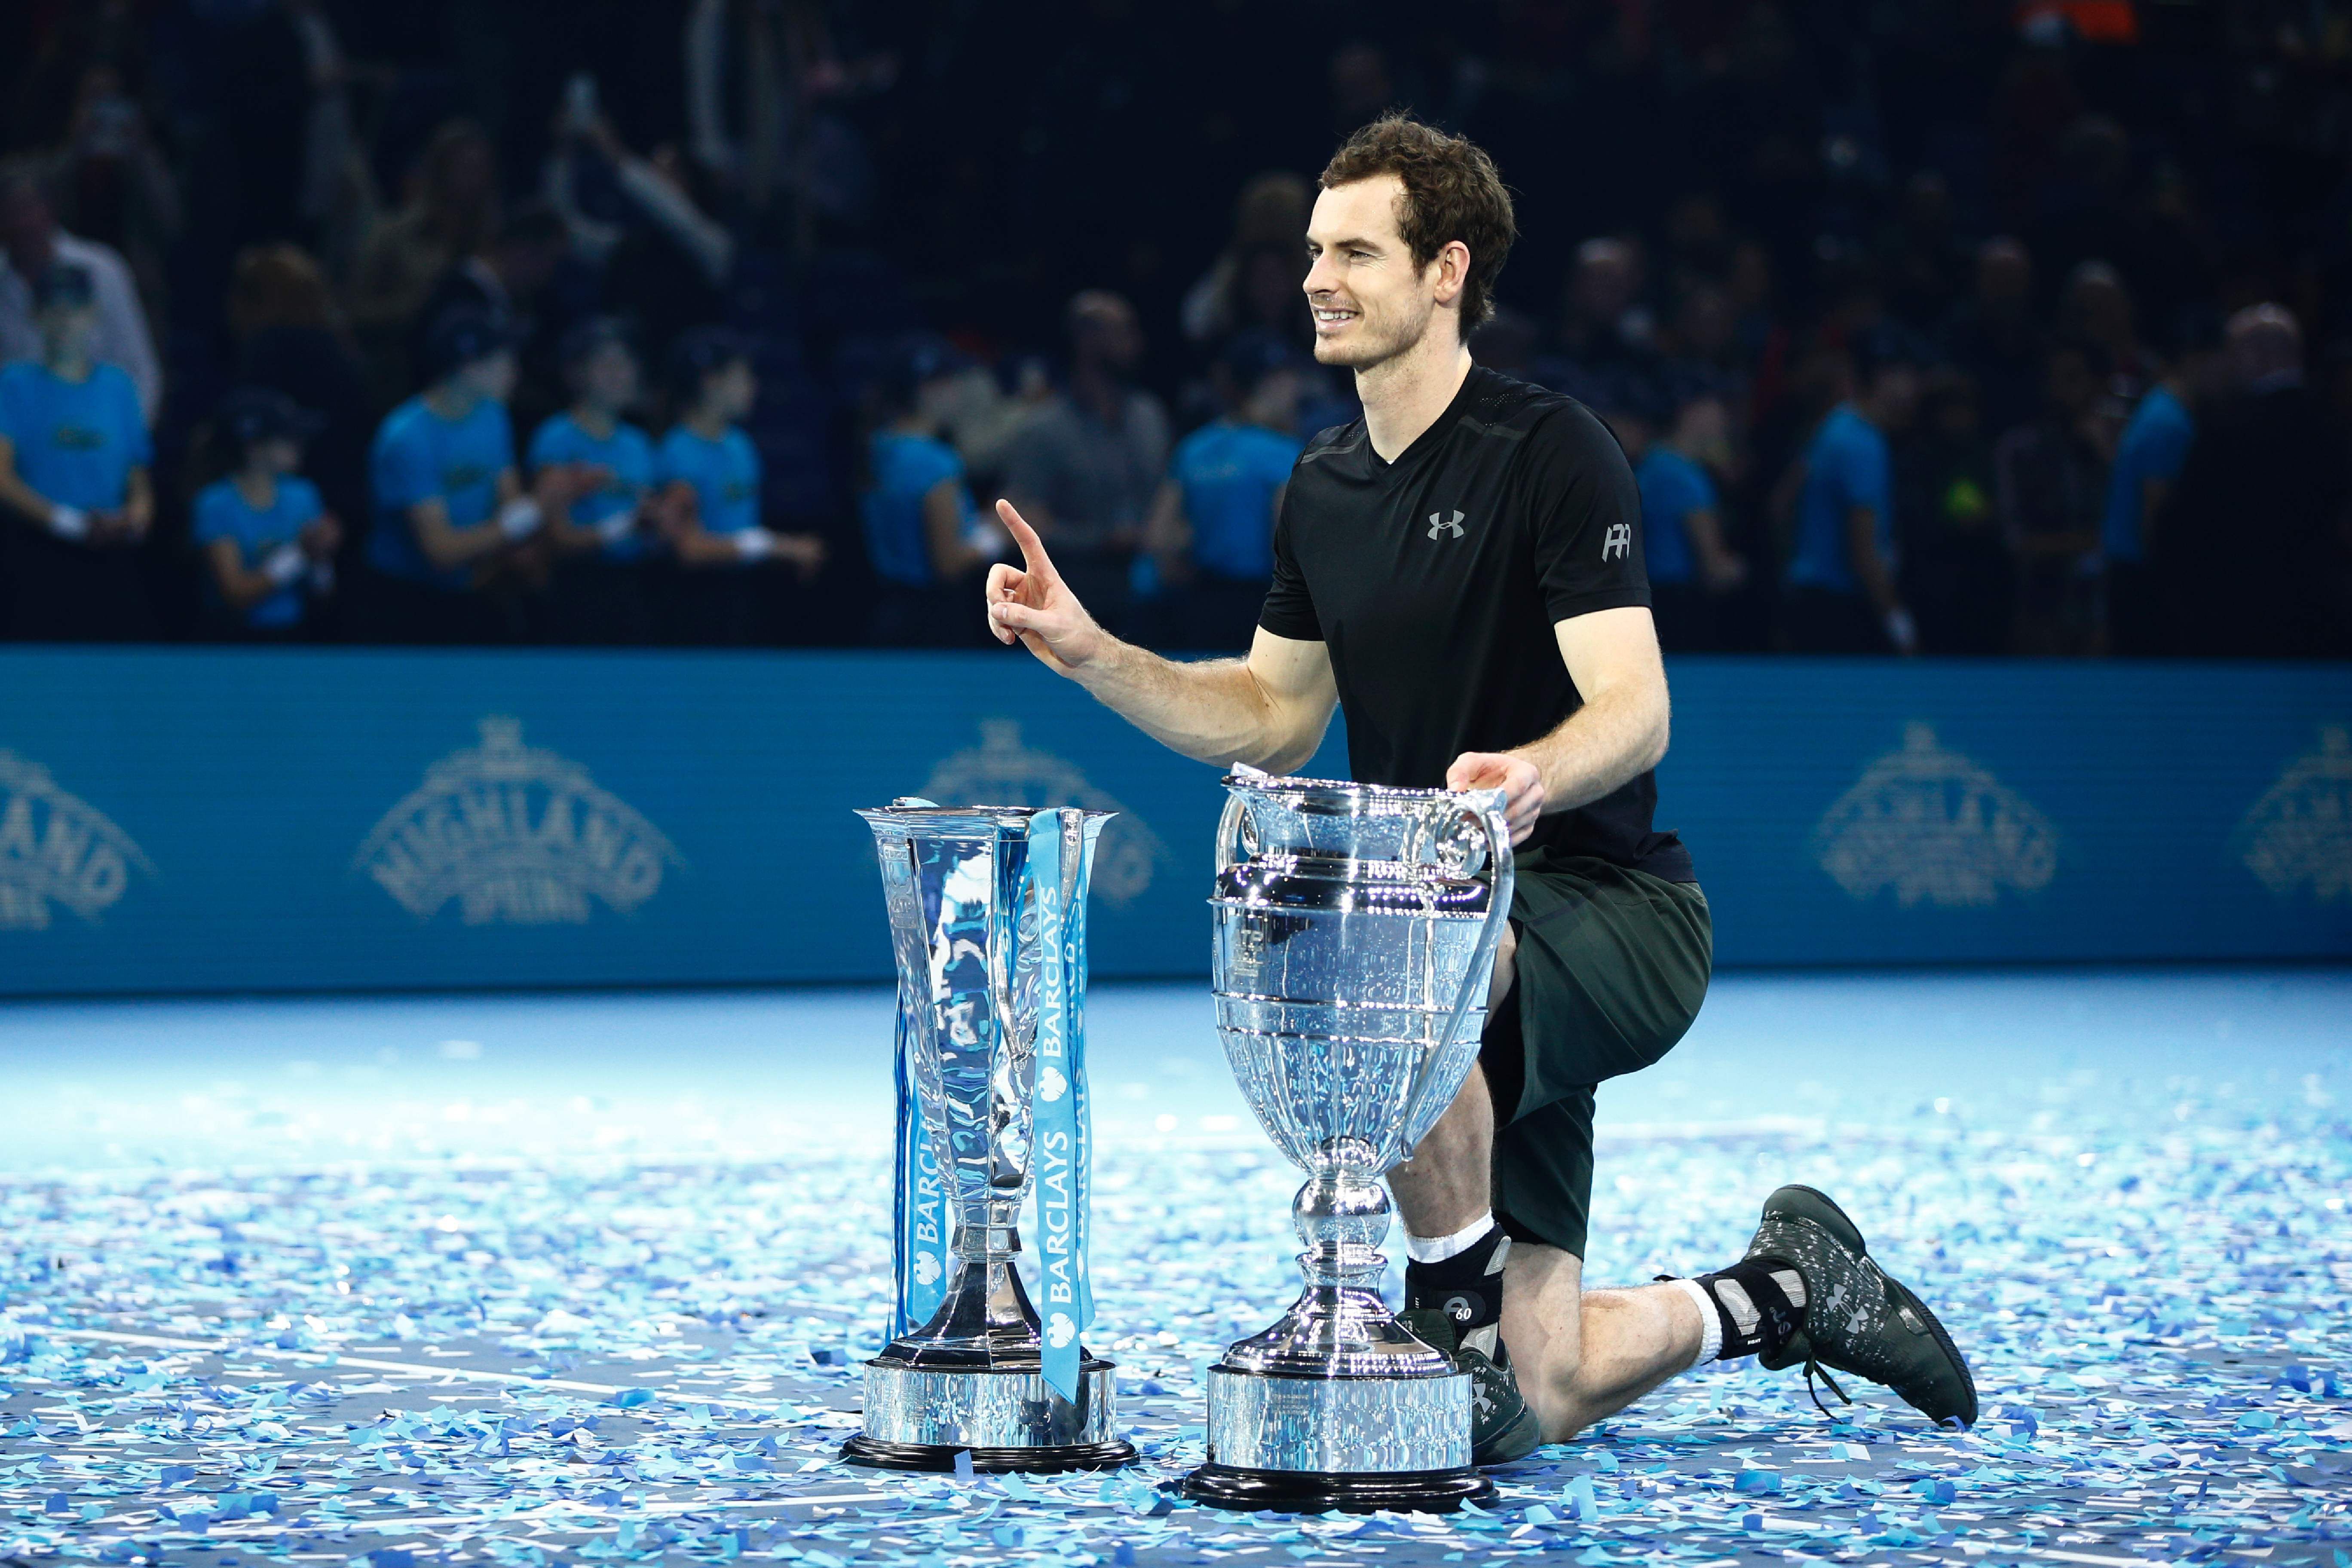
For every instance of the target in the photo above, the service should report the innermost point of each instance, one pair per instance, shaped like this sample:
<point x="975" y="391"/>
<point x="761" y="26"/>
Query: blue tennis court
<point x="529" y="1278"/>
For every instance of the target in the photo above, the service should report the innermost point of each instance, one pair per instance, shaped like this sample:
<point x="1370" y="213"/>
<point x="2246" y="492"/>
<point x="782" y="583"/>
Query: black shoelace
<point x="1813" y="1368"/>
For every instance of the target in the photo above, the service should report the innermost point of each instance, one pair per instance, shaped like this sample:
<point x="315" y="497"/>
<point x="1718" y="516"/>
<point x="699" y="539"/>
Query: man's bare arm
<point x="1269" y="710"/>
<point x="1618" y="734"/>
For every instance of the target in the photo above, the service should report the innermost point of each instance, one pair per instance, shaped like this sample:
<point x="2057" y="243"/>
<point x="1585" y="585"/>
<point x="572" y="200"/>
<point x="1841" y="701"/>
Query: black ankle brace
<point x="1467" y="1286"/>
<point x="1758" y="1305"/>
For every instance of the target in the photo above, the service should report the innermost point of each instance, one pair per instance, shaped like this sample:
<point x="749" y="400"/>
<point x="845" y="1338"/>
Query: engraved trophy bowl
<point x="1355" y="928"/>
<point x="990" y="973"/>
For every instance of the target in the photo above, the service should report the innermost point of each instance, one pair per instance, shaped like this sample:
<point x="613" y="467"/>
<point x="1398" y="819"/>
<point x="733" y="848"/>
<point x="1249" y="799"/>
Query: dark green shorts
<point x="1612" y="965"/>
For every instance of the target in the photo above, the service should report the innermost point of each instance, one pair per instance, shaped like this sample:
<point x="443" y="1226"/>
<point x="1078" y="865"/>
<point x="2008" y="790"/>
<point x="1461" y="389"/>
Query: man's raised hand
<point x="1030" y="603"/>
<point x="1520" y="780"/>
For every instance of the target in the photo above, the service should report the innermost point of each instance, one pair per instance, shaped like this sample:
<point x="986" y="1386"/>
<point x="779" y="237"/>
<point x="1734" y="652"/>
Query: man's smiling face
<point x="1371" y="301"/>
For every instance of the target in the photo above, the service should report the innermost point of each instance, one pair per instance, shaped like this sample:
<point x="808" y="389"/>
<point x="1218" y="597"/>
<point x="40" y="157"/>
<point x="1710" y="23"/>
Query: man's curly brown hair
<point x="1451" y="192"/>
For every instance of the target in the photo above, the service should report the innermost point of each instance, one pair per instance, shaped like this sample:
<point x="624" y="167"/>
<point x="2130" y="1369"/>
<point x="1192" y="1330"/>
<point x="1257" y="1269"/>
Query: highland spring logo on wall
<point x="56" y="849"/>
<point x="516" y="836"/>
<point x="1000" y="770"/>
<point x="2300" y="833"/>
<point x="1937" y="828"/>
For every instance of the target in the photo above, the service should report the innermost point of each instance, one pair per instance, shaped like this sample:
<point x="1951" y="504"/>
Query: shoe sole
<point x="1510" y="1445"/>
<point x="1823" y="1210"/>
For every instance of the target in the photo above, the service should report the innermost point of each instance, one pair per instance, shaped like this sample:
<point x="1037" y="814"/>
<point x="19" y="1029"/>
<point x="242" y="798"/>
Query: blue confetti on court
<point x="589" y="1283"/>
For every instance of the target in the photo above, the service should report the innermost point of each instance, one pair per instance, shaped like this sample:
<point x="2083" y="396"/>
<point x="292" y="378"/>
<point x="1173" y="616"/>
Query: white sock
<point x="1438" y="1249"/>
<point x="1710" y="1327"/>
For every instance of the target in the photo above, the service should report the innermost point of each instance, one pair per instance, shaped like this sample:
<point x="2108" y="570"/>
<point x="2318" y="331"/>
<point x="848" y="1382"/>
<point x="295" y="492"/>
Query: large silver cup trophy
<point x="1355" y="936"/>
<point x="987" y="910"/>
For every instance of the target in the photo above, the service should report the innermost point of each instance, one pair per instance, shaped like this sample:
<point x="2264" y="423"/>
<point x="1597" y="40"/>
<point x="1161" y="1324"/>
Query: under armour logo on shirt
<point x="1438" y="524"/>
<point x="1618" y="541"/>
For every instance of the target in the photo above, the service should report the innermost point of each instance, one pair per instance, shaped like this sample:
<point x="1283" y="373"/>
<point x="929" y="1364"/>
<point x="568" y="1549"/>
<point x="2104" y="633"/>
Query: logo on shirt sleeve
<point x="1618" y="542"/>
<point x="1439" y="524"/>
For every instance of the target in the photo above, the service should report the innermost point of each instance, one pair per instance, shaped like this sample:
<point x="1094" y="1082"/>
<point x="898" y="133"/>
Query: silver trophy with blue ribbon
<point x="1355" y="936"/>
<point x="988" y="923"/>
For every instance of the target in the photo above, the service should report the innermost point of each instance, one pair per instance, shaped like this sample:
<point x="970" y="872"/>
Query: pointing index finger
<point x="1032" y="549"/>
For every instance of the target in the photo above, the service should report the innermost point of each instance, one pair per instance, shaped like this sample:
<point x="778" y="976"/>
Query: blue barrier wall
<point x="215" y="819"/>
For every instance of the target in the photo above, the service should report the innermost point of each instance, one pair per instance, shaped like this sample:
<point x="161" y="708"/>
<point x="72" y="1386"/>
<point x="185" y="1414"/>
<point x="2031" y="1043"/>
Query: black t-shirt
<point x="1436" y="581"/>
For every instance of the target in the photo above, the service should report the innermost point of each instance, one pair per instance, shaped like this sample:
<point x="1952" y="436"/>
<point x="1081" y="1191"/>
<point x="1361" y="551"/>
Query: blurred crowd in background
<point x="1947" y="327"/>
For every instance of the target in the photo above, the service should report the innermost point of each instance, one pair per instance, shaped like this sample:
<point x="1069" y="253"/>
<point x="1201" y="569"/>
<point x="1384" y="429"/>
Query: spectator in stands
<point x="981" y="419"/>
<point x="1993" y="336"/>
<point x="2048" y="483"/>
<point x="290" y="336"/>
<point x="2252" y="545"/>
<point x="605" y="537"/>
<point x="639" y="220"/>
<point x="505" y="279"/>
<point x="113" y="186"/>
<point x="1700" y="356"/>
<point x="2097" y="310"/>
<point x="1841" y="592"/>
<point x="336" y="188"/>
<point x="1955" y="576"/>
<point x="1919" y="257"/>
<point x="502" y="277"/>
<point x="925" y="537"/>
<point x="450" y="506"/>
<point x="1254" y="282"/>
<point x="2148" y="459"/>
<point x="709" y="473"/>
<point x="267" y="540"/>
<point x="1086" y="466"/>
<point x="1212" y="527"/>
<point x="1608" y="348"/>
<point x="1691" y="568"/>
<point x="31" y="245"/>
<point x="74" y="457"/>
<point x="452" y="212"/>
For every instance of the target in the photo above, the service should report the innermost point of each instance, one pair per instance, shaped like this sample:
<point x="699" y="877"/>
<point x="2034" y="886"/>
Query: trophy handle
<point x="1229" y="827"/>
<point x="1488" y="813"/>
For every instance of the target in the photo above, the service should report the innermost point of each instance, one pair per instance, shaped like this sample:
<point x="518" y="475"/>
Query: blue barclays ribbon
<point x="1053" y="1105"/>
<point x="1074" y="957"/>
<point x="918" y="1263"/>
<point x="919" y="1266"/>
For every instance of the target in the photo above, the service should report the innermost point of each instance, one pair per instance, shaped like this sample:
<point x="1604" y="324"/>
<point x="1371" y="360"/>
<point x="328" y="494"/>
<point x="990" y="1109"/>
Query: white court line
<point x="366" y="1364"/>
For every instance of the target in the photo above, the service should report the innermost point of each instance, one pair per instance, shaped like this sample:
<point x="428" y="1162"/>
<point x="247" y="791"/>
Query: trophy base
<point x="1005" y="1417"/>
<point x="1371" y="1427"/>
<point x="880" y="1455"/>
<point x="1311" y="1491"/>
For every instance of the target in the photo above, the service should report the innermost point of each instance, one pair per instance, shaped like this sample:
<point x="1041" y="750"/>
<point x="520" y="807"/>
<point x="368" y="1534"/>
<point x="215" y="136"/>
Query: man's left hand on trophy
<point x="1520" y="780"/>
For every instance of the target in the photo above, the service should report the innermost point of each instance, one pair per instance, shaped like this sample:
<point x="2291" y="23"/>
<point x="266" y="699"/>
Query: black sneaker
<point x="1502" y="1427"/>
<point x="1857" y="1318"/>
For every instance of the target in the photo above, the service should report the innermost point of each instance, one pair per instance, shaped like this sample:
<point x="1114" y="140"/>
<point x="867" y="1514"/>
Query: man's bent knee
<point x="1507" y="965"/>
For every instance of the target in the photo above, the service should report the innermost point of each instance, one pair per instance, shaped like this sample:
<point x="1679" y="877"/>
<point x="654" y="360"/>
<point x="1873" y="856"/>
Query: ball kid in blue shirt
<point x="708" y="469"/>
<point x="610" y="459"/>
<point x="268" y="542"/>
<point x="1214" y="517"/>
<point x="74" y="452"/>
<point x="449" y="502"/>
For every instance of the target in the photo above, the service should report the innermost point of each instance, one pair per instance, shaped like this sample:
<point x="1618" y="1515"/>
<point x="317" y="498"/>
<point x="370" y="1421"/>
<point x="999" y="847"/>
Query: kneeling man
<point x="1461" y="571"/>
